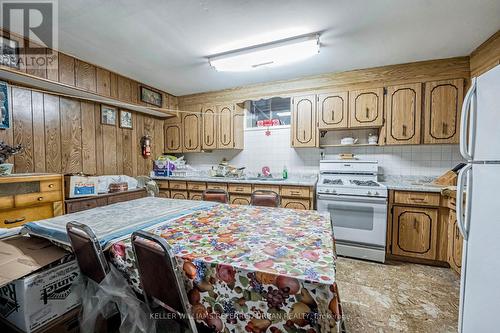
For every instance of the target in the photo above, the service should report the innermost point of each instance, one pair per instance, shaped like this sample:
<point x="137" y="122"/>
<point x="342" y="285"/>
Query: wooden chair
<point x="265" y="198"/>
<point x="160" y="278"/>
<point x="215" y="195"/>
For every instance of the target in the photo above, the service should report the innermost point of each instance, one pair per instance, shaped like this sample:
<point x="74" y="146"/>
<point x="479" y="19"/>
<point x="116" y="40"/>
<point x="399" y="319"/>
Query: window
<point x="268" y="112"/>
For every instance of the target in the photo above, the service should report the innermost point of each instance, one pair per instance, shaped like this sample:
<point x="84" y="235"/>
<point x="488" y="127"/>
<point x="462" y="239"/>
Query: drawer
<point x="417" y="198"/>
<point x="126" y="197"/>
<point x="178" y="194"/>
<point x="177" y="185"/>
<point x="195" y="195"/>
<point x="162" y="183"/>
<point x="16" y="217"/>
<point x="217" y="186"/>
<point x="295" y="203"/>
<point x="50" y="185"/>
<point x="78" y="206"/>
<point x="30" y="199"/>
<point x="239" y="199"/>
<point x="240" y="188"/>
<point x="7" y="202"/>
<point x="258" y="187"/>
<point x="196" y="186"/>
<point x="295" y="191"/>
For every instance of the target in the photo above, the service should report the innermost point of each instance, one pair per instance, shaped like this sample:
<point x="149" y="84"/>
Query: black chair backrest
<point x="265" y="198"/>
<point x="88" y="252"/>
<point x="216" y="195"/>
<point x="158" y="273"/>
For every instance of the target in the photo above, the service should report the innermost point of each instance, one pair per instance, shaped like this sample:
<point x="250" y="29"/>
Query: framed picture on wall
<point x="125" y="119"/>
<point x="151" y="97"/>
<point x="108" y="115"/>
<point x="4" y="106"/>
<point x="9" y="52"/>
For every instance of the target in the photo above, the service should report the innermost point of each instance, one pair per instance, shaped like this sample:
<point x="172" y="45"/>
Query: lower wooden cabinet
<point x="455" y="243"/>
<point x="414" y="232"/>
<point x="238" y="199"/>
<point x="164" y="193"/>
<point x="195" y="195"/>
<point x="294" y="203"/>
<point x="178" y="194"/>
<point x="80" y="204"/>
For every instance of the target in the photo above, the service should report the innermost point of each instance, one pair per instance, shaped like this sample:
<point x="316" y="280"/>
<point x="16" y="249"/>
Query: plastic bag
<point x="113" y="293"/>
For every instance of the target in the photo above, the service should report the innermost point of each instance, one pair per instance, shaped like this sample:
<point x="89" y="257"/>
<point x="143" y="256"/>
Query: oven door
<point x="356" y="219"/>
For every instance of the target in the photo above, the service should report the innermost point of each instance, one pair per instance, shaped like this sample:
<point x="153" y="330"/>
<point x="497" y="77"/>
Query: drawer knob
<point x="14" y="220"/>
<point x="39" y="198"/>
<point x="51" y="185"/>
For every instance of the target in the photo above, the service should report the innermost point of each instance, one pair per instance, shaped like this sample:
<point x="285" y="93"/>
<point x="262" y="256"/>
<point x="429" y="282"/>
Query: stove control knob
<point x="376" y="193"/>
<point x="327" y="190"/>
<point x="369" y="193"/>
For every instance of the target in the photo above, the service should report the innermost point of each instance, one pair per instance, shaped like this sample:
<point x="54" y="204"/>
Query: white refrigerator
<point x="479" y="216"/>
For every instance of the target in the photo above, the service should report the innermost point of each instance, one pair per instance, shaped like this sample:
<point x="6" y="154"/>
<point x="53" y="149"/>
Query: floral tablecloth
<point x="252" y="269"/>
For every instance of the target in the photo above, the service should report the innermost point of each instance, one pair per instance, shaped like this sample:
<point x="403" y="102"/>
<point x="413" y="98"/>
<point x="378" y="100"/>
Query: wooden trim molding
<point x="486" y="56"/>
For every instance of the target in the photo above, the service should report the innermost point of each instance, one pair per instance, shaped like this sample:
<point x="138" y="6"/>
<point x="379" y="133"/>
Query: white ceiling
<point x="165" y="43"/>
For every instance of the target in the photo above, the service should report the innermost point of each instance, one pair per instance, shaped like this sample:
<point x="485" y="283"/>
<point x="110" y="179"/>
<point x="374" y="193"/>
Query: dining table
<point x="244" y="268"/>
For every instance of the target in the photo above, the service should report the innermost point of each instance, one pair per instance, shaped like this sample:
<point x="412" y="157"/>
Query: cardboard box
<point x="68" y="323"/>
<point x="35" y="282"/>
<point x="81" y="186"/>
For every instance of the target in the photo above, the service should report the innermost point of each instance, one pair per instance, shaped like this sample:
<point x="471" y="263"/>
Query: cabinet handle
<point x="39" y="198"/>
<point x="190" y="143"/>
<point x="294" y="192"/>
<point x="14" y="220"/>
<point x="224" y="138"/>
<point x="51" y="185"/>
<point x="304" y="134"/>
<point x="367" y="113"/>
<point x="333" y="115"/>
<point x="445" y="128"/>
<point x="404" y="130"/>
<point x="415" y="223"/>
<point x="417" y="199"/>
<point x="171" y="143"/>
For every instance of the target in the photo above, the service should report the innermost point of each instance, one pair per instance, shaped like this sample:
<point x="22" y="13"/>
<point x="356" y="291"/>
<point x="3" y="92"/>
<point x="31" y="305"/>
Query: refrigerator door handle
<point x="461" y="217"/>
<point x="466" y="117"/>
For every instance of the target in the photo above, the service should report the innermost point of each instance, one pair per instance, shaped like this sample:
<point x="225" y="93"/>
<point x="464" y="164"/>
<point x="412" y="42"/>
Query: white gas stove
<point x="358" y="207"/>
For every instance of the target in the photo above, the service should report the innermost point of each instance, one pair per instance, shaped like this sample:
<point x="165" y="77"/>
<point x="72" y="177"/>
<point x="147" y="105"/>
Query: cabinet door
<point x="191" y="124"/>
<point x="164" y="194"/>
<point x="295" y="203"/>
<point x="332" y="110"/>
<point x="178" y="194"/>
<point x="173" y="135"/>
<point x="225" y="127"/>
<point x="414" y="232"/>
<point x="366" y="108"/>
<point x="238" y="199"/>
<point x="209" y="128"/>
<point x="195" y="195"/>
<point x="443" y="104"/>
<point x="304" y="129"/>
<point x="404" y="112"/>
<point x="455" y="243"/>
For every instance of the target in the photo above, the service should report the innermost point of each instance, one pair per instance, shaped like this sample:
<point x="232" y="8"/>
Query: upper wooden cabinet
<point x="191" y="125"/>
<point x="173" y="135"/>
<point x="225" y="126"/>
<point x="366" y="108"/>
<point x="332" y="110"/>
<point x="209" y="128"/>
<point x="404" y="114"/>
<point x="304" y="127"/>
<point x="414" y="232"/>
<point x="443" y="104"/>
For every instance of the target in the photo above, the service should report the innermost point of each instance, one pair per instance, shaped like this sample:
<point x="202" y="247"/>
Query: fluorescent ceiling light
<point x="266" y="55"/>
<point x="283" y="114"/>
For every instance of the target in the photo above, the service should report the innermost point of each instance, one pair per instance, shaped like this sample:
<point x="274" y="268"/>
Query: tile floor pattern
<point x="398" y="297"/>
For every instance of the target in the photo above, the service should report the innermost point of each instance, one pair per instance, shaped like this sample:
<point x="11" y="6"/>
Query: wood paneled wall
<point x="486" y="56"/>
<point x="443" y="69"/>
<point x="65" y="135"/>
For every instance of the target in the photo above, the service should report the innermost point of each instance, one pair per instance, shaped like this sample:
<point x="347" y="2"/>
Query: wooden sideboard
<point x="30" y="197"/>
<point x="79" y="204"/>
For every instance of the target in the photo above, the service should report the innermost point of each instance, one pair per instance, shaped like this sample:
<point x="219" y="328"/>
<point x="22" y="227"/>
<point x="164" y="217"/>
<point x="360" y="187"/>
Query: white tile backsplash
<point x="275" y="151"/>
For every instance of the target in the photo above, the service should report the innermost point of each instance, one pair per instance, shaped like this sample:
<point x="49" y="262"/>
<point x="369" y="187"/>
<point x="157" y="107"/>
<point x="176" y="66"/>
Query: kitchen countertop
<point x="293" y="181"/>
<point x="408" y="183"/>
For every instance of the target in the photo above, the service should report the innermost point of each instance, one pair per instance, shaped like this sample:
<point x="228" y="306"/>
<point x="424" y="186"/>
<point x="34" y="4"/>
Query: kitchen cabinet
<point x="455" y="243"/>
<point x="239" y="199"/>
<point x="195" y="195"/>
<point x="414" y="232"/>
<point x="366" y="108"/>
<point x="332" y="110"/>
<point x="230" y="126"/>
<point x="173" y="135"/>
<point x="443" y="104"/>
<point x="403" y="113"/>
<point x="209" y="128"/>
<point x="294" y="203"/>
<point x="304" y="127"/>
<point x="191" y="129"/>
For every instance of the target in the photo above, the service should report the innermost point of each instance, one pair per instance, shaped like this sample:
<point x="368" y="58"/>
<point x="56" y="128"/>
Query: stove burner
<point x="333" y="181"/>
<point x="365" y="183"/>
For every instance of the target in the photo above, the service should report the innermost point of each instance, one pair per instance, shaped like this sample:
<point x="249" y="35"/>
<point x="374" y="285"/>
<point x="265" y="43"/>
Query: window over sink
<point x="269" y="112"/>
